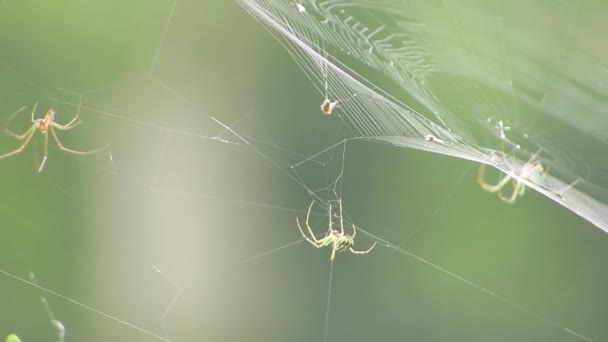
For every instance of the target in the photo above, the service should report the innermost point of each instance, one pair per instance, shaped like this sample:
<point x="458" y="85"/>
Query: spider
<point x="532" y="170"/>
<point x="327" y="107"/>
<point x="338" y="240"/>
<point x="45" y="125"/>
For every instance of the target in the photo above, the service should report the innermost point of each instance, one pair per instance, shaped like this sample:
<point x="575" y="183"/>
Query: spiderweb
<point x="185" y="229"/>
<point x="473" y="74"/>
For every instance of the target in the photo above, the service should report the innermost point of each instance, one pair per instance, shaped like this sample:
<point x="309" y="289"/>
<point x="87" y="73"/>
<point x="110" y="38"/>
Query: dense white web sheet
<point x="469" y="72"/>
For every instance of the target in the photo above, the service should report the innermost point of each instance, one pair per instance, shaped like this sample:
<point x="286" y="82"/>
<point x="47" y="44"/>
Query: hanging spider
<point x="337" y="239"/>
<point x="327" y="107"/>
<point x="45" y="125"/>
<point x="532" y="170"/>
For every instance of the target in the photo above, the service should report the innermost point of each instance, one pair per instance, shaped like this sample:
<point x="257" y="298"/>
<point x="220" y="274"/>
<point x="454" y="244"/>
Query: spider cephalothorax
<point x="45" y="123"/>
<point x="342" y="242"/>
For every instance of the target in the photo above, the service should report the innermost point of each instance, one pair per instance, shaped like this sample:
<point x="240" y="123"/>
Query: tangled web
<point x="459" y="76"/>
<point x="185" y="228"/>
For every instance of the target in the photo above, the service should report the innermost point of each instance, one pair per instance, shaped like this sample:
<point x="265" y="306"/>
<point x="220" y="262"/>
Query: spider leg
<point x="65" y="149"/>
<point x="517" y="191"/>
<point x="534" y="156"/>
<point x="522" y="189"/>
<point x="354" y="251"/>
<point x="360" y="252"/>
<point x="28" y="137"/>
<point x="314" y="243"/>
<point x="329" y="230"/>
<point x="489" y="187"/>
<point x="333" y="251"/>
<point x="34" y="111"/>
<point x="341" y="218"/>
<point x="71" y="123"/>
<point x="308" y="219"/>
<point x="46" y="151"/>
<point x="67" y="126"/>
<point x="314" y="240"/>
<point x="11" y="133"/>
<point x="567" y="187"/>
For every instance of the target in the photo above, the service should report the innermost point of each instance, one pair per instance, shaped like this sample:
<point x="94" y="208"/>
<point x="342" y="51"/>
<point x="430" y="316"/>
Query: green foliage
<point x="12" y="338"/>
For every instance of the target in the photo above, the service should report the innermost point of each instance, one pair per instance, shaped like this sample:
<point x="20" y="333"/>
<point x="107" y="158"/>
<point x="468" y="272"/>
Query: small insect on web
<point x="327" y="107"/>
<point x="337" y="239"/>
<point x="45" y="125"/>
<point x="429" y="138"/>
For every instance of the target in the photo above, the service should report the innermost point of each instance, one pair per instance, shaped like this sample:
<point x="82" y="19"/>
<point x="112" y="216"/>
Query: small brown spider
<point x="327" y="107"/>
<point x="44" y="126"/>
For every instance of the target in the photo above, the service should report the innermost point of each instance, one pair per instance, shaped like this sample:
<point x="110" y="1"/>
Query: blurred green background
<point x="199" y="209"/>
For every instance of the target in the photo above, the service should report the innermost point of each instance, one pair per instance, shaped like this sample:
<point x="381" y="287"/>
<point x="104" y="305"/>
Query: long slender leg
<point x="8" y="130"/>
<point x="71" y="123"/>
<point x="522" y="188"/>
<point x="489" y="187"/>
<point x="354" y="251"/>
<point x="517" y="191"/>
<point x="341" y="218"/>
<point x="46" y="151"/>
<point x="308" y="219"/>
<point x="331" y="220"/>
<point x="333" y="251"/>
<point x="304" y="235"/>
<point x="28" y="137"/>
<point x="34" y="112"/>
<point x="363" y="252"/>
<point x="534" y="156"/>
<point x="65" y="149"/>
<point x="65" y="127"/>
<point x="567" y="187"/>
<point x="314" y="240"/>
<point x="17" y="136"/>
<point x="360" y="252"/>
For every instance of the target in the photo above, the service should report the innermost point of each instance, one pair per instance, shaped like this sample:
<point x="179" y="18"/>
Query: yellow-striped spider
<point x="44" y="125"/>
<point x="337" y="239"/>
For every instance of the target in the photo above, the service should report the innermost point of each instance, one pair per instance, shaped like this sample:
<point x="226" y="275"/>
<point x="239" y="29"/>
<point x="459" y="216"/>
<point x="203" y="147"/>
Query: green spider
<point x="337" y="239"/>
<point x="532" y="170"/>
